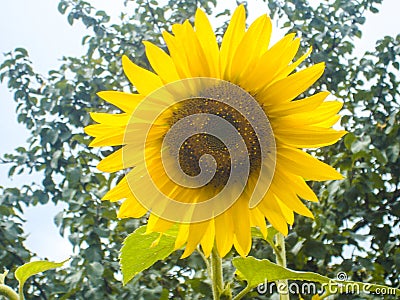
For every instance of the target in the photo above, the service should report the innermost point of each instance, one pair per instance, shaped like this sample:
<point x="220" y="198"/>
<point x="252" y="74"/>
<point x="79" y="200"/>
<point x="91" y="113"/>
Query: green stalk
<point x="242" y="293"/>
<point x="216" y="274"/>
<point x="21" y="292"/>
<point x="280" y="254"/>
<point x="5" y="290"/>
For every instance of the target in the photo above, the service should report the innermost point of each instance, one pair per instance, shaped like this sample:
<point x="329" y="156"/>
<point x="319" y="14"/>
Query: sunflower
<point x="212" y="140"/>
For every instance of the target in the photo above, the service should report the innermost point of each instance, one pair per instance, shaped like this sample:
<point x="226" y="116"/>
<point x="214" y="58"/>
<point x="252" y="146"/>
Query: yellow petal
<point x="254" y="43"/>
<point x="299" y="186"/>
<point x="208" y="42"/>
<point x="161" y="62"/>
<point x="98" y="130"/>
<point x="178" y="55"/>
<point x="207" y="242"/>
<point x="329" y="122"/>
<point x="124" y="101"/>
<point x="157" y="224"/>
<point x="196" y="233"/>
<point x="289" y="197"/>
<point x="112" y="163"/>
<point x="300" y="163"/>
<point x="113" y="138"/>
<point x="131" y="208"/>
<point x="326" y="110"/>
<point x="270" y="63"/>
<point x="289" y="69"/>
<point x="325" y="114"/>
<point x="257" y="219"/>
<point x="241" y="217"/>
<point x="270" y="208"/>
<point x="182" y="236"/>
<point x="145" y="81"/>
<point x="232" y="37"/>
<point x="294" y="107"/>
<point x="119" y="192"/>
<point x="289" y="88"/>
<point x="224" y="233"/>
<point x="110" y="119"/>
<point x="307" y="136"/>
<point x="194" y="51"/>
<point x="286" y="211"/>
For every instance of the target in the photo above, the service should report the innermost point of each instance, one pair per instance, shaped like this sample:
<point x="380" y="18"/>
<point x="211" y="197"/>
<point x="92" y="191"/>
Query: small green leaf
<point x="362" y="143"/>
<point x="270" y="237"/>
<point x="95" y="270"/>
<point x="256" y="233"/>
<point x="29" y="269"/>
<point x="374" y="10"/>
<point x="199" y="286"/>
<point x="349" y="140"/>
<point x="70" y="18"/>
<point x="140" y="251"/>
<point x="315" y="249"/>
<point x="62" y="7"/>
<point x="22" y="51"/>
<point x="164" y="294"/>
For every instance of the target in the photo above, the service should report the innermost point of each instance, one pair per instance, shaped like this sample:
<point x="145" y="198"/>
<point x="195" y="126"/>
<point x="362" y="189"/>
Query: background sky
<point x="38" y="27"/>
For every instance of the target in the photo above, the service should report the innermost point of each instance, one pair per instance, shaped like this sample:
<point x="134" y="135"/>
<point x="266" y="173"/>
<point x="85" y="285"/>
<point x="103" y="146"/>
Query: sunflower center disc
<point x="200" y="144"/>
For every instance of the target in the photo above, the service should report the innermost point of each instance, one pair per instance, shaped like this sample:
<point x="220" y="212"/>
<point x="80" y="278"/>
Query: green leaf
<point x="256" y="272"/>
<point x="315" y="249"/>
<point x="70" y="18"/>
<point x="22" y="51"/>
<point x="199" y="286"/>
<point x="95" y="270"/>
<point x="349" y="139"/>
<point x="32" y="268"/>
<point x="62" y="7"/>
<point x="374" y="10"/>
<point x="270" y="237"/>
<point x="164" y="294"/>
<point x="393" y="152"/>
<point x="361" y="144"/>
<point x="380" y="155"/>
<point x="140" y="251"/>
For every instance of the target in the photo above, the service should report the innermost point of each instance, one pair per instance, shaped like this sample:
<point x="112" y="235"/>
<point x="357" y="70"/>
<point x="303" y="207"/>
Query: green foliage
<point x="362" y="211"/>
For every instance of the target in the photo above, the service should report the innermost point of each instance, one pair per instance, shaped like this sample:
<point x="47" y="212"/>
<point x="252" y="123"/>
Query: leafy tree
<point x="362" y="211"/>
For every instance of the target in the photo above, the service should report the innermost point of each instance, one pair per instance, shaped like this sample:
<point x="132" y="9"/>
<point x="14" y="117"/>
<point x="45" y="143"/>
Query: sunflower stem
<point x="206" y="261"/>
<point x="5" y="290"/>
<point x="280" y="255"/>
<point x="216" y="274"/>
<point x="242" y="293"/>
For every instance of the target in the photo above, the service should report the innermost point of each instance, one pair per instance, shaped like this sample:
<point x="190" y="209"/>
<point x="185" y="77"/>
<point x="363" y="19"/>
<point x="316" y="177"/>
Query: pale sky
<point x="38" y="27"/>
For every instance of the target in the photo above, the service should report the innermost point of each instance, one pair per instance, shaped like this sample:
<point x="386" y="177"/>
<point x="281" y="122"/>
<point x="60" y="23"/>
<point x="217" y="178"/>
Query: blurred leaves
<point x="357" y="222"/>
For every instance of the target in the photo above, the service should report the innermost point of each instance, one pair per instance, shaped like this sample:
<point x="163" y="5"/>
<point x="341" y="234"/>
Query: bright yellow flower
<point x="253" y="88"/>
